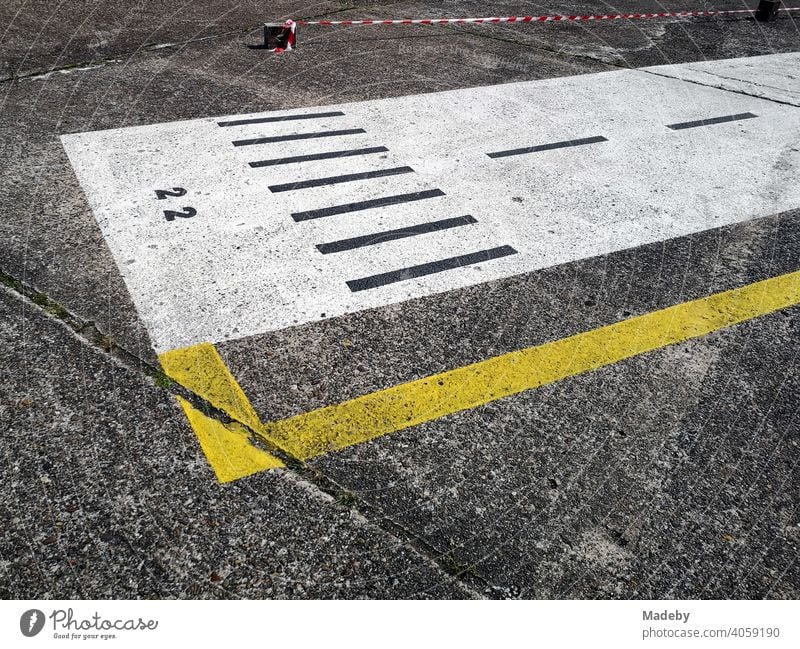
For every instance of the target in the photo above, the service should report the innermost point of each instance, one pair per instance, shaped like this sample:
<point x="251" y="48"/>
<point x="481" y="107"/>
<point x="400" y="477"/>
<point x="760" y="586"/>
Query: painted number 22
<point x="170" y="215"/>
<point x="165" y="193"/>
<point x="188" y="212"/>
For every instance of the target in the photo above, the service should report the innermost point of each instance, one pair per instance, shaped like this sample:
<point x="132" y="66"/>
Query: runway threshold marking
<point x="298" y="136"/>
<point x="281" y="118"/>
<point x="711" y="120"/>
<point x="409" y="404"/>
<point x="385" y="201"/>
<point x="328" y="155"/>
<point x="218" y="240"/>
<point x="439" y="266"/>
<point x="336" y="180"/>
<point x="548" y="147"/>
<point x="392" y="235"/>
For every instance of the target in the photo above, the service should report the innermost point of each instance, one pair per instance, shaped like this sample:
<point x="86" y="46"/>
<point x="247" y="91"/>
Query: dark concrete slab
<point x="106" y="494"/>
<point x="638" y="43"/>
<point x="614" y="484"/>
<point x="38" y="36"/>
<point x="671" y="475"/>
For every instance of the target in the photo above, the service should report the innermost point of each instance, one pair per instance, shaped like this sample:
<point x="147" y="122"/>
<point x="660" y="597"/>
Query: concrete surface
<point x="673" y="474"/>
<point x="106" y="499"/>
<point x="617" y="194"/>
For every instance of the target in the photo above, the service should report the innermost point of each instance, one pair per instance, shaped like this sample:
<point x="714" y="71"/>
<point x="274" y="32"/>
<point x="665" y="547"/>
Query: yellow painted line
<point x="229" y="451"/>
<point x="227" y="447"/>
<point x="201" y="370"/>
<point x="409" y="404"/>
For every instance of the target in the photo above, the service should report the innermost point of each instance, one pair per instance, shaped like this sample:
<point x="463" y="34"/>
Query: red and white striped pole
<point x="766" y="10"/>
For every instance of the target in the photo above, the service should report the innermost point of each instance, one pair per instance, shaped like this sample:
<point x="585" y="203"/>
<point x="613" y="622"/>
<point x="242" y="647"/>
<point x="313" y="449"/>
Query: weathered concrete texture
<point x="759" y="76"/>
<point x="38" y="35"/>
<point x="50" y="239"/>
<point x="105" y="494"/>
<point x="626" y="43"/>
<point x="618" y="193"/>
<point x="372" y="350"/>
<point x="638" y="43"/>
<point x="669" y="475"/>
<point x="626" y="482"/>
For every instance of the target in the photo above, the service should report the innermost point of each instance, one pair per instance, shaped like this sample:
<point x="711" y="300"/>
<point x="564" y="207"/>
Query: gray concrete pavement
<point x="106" y="495"/>
<point x="672" y="474"/>
<point x="38" y="36"/>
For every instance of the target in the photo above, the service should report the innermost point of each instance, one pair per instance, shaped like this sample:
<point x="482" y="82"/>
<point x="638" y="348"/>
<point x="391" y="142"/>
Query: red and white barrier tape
<point x="535" y="19"/>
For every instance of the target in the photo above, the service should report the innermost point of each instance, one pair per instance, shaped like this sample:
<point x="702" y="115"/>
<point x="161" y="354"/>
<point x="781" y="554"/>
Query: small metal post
<point x="280" y="36"/>
<point x="272" y="34"/>
<point x="767" y="10"/>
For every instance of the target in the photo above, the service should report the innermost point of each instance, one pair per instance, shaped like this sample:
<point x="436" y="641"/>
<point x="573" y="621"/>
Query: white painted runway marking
<point x="373" y="198"/>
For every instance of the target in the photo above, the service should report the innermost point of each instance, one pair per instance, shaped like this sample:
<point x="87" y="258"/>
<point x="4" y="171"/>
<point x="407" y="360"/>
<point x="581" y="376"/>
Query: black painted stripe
<point x="319" y="156"/>
<point x="392" y="235"/>
<point x="297" y="136"/>
<point x="282" y="118"/>
<point x="711" y="120"/>
<point x="366" y="205"/>
<point x="383" y="279"/>
<point x="335" y="180"/>
<point x="548" y="147"/>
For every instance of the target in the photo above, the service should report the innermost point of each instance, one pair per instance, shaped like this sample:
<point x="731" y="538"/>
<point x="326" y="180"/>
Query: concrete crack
<point x="93" y="64"/>
<point x="538" y="48"/>
<point x="467" y="577"/>
<point x="88" y="331"/>
<point x="736" y="91"/>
